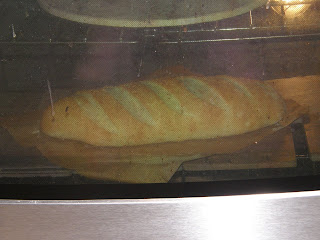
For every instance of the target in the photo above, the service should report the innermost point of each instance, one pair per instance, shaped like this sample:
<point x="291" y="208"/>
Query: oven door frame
<point x="291" y="215"/>
<point x="284" y="208"/>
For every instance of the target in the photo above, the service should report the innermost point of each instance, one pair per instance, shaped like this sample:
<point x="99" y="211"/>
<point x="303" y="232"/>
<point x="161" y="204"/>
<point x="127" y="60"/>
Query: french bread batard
<point x="164" y="110"/>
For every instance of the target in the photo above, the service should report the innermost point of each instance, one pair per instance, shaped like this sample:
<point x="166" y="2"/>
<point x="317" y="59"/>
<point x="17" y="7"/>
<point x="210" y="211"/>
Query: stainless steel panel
<point x="266" y="216"/>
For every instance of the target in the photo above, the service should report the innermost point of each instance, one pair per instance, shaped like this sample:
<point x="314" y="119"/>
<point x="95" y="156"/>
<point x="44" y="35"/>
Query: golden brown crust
<point x="165" y="110"/>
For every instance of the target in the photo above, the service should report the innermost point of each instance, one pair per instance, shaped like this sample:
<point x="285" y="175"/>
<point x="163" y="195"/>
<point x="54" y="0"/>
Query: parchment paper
<point x="154" y="163"/>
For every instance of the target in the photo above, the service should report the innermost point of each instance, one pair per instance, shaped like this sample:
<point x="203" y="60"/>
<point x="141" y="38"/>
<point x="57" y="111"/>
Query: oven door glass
<point x="138" y="91"/>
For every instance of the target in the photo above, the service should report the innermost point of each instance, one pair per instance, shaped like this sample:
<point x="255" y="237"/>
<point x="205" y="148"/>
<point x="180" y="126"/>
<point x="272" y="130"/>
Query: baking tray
<point x="147" y="13"/>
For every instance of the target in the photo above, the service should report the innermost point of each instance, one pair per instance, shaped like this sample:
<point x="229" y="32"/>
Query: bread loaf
<point x="164" y="110"/>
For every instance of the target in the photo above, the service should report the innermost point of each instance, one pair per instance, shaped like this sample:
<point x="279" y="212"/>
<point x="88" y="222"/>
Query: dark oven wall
<point x="35" y="46"/>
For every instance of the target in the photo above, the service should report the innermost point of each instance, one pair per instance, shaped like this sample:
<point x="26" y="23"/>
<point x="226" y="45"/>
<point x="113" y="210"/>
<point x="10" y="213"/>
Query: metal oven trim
<point x="261" y="216"/>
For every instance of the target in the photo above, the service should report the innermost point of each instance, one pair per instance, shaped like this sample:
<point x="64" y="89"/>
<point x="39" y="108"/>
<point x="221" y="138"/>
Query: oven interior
<point x="277" y="42"/>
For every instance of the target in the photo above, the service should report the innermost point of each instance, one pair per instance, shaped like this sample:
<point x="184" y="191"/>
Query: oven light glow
<point x="290" y="1"/>
<point x="292" y="8"/>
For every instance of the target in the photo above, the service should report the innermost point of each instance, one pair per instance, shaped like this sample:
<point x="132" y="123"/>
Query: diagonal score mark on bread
<point x="94" y="111"/>
<point x="205" y="92"/>
<point x="131" y="104"/>
<point x="269" y="91"/>
<point x="240" y="87"/>
<point x="168" y="98"/>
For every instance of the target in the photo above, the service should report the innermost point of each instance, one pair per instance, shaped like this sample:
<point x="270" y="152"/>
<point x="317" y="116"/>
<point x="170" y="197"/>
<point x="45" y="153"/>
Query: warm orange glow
<point x="293" y="9"/>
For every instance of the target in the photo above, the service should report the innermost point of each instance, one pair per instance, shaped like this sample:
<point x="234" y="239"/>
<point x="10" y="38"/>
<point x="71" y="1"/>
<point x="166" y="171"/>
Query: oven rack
<point x="51" y="174"/>
<point x="305" y="165"/>
<point x="251" y="26"/>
